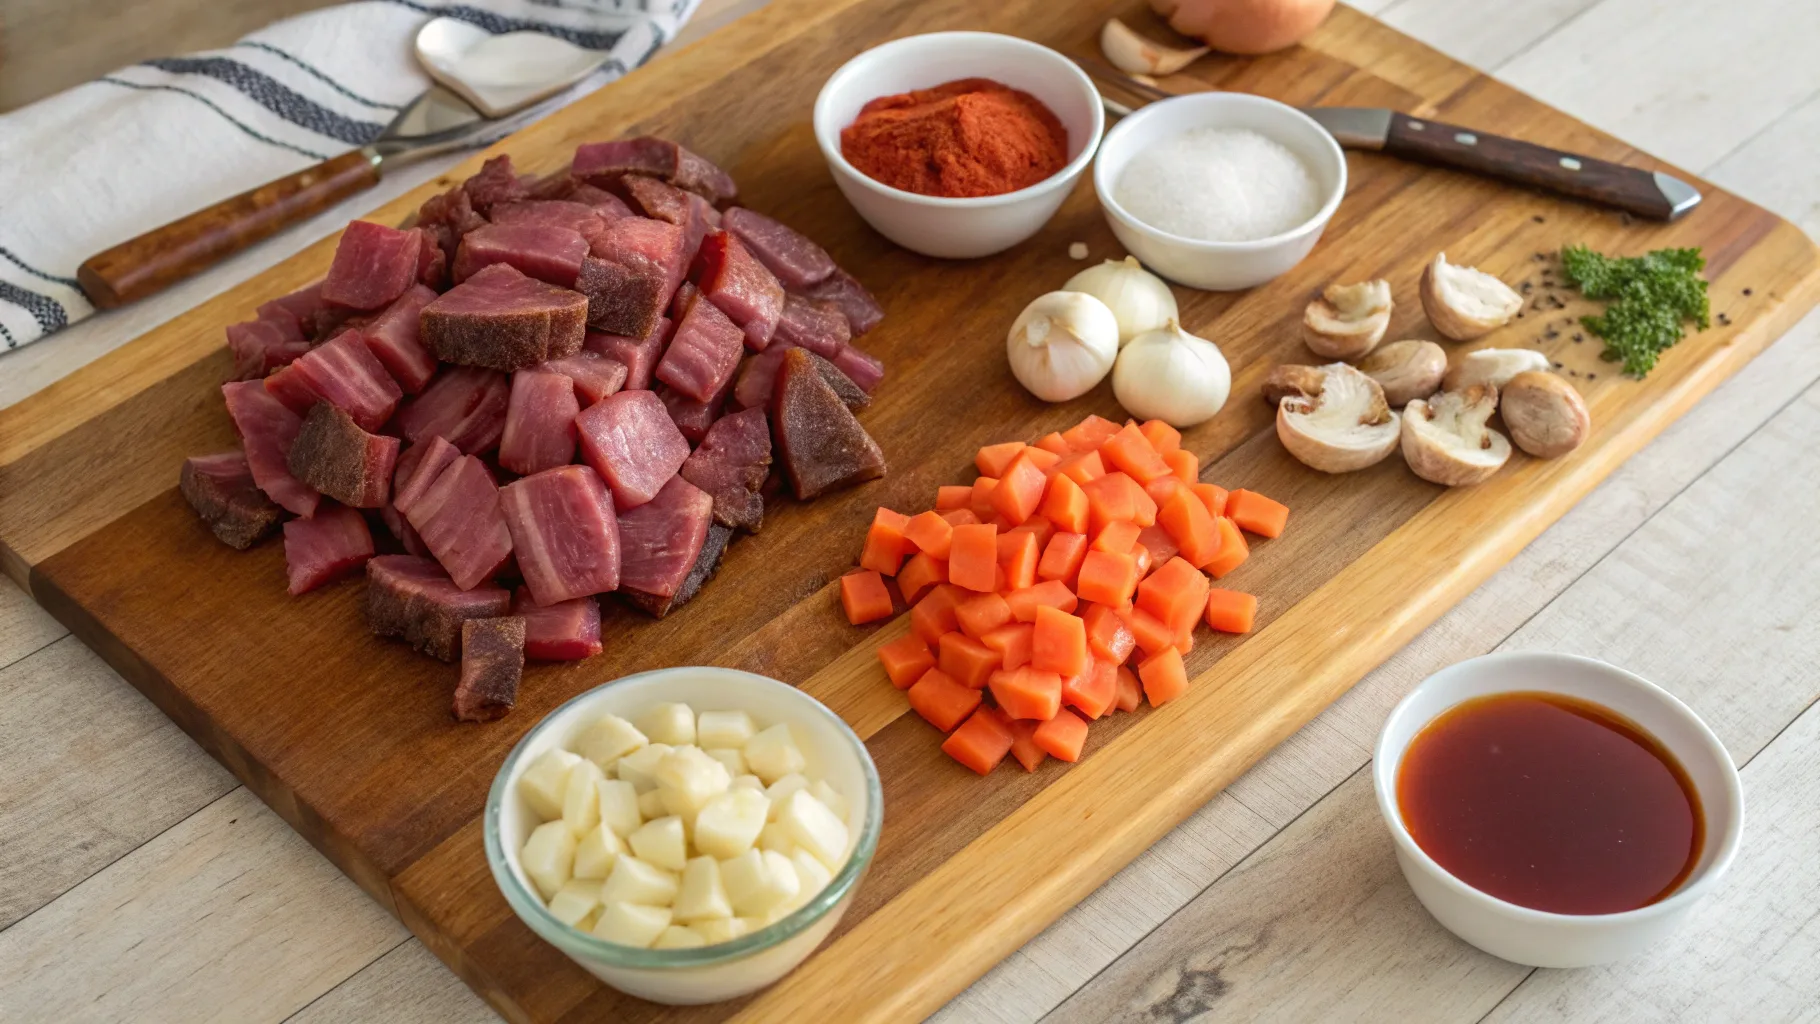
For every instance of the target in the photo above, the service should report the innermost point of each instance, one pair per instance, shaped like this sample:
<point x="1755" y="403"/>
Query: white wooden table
<point x="139" y="881"/>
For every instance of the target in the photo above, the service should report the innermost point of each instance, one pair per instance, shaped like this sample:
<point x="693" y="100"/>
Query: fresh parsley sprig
<point x="1651" y="298"/>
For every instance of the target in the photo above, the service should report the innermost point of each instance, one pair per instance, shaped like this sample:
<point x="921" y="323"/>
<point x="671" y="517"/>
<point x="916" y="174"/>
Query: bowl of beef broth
<point x="1554" y="810"/>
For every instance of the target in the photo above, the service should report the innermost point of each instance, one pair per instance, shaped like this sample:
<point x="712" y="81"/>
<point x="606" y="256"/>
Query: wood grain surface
<point x="90" y="521"/>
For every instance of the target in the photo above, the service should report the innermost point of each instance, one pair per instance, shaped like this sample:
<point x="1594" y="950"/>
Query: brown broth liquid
<point x="1552" y="803"/>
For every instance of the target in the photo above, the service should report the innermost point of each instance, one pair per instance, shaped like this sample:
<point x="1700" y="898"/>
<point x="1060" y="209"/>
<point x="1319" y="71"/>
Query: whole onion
<point x="1244" y="26"/>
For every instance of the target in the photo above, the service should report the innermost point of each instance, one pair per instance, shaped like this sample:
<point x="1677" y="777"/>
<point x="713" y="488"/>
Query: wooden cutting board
<point x="350" y="739"/>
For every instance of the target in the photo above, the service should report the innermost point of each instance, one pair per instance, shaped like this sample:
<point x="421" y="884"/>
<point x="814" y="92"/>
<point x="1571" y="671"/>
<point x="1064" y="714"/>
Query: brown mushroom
<point x="1446" y="441"/>
<point x="1494" y="366"/>
<point x="1465" y="302"/>
<point x="1546" y="416"/>
<point x="1345" y="425"/>
<point x="1406" y="370"/>
<point x="1292" y="379"/>
<point x="1348" y="320"/>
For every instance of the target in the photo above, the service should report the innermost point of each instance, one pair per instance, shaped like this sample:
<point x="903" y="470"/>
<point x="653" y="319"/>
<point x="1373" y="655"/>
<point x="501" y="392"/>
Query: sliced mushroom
<point x="1446" y="441"/>
<point x="1348" y="320"/>
<point x="1545" y="414"/>
<point x="1406" y="370"/>
<point x="1290" y="379"/>
<point x="1344" y="426"/>
<point x="1494" y="366"/>
<point x="1135" y="55"/>
<point x="1464" y="302"/>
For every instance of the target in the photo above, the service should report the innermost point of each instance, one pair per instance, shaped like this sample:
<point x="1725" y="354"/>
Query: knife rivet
<point x="1466" y="138"/>
<point x="1570" y="163"/>
<point x="1416" y="126"/>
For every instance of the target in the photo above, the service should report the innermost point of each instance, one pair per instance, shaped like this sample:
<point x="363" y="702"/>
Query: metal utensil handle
<point x="163" y="256"/>
<point x="1644" y="193"/>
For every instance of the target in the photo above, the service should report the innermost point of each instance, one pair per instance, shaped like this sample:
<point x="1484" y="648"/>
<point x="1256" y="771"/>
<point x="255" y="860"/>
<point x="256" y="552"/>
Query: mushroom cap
<point x="1494" y="366"/>
<point x="1446" y="441"/>
<point x="1348" y="320"/>
<point x="1344" y="426"/>
<point x="1406" y="370"/>
<point x="1464" y="302"/>
<point x="1545" y="414"/>
<point x="1292" y="380"/>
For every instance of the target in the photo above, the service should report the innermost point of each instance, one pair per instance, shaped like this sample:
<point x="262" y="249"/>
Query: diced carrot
<point x="885" y="545"/>
<point x="981" y="502"/>
<point x="1094" y="690"/>
<point x="1081" y="467"/>
<point x="864" y="597"/>
<point x="1233" y="549"/>
<point x="1001" y="524"/>
<point x="1184" y="641"/>
<point x="1143" y="506"/>
<point x="981" y="742"/>
<point x="950" y="496"/>
<point x="1059" y="644"/>
<point x="1062" y="558"/>
<point x="1164" y="676"/>
<point x="1020" y="490"/>
<point x="966" y="660"/>
<point x="1063" y="736"/>
<point x="1191" y="526"/>
<point x="1118" y="537"/>
<point x="941" y="701"/>
<point x="1144" y="559"/>
<point x="1252" y="511"/>
<point x="1184" y="465"/>
<point x="1157" y="541"/>
<point x="1049" y="593"/>
<point x="972" y="556"/>
<point x="961" y="516"/>
<point x="934" y="614"/>
<point x="1231" y="611"/>
<point x="1023" y="746"/>
<point x="1018" y="553"/>
<point x="1028" y="693"/>
<point x="930" y="533"/>
<point x="1065" y="504"/>
<point x="1012" y="642"/>
<point x="1176" y="593"/>
<point x="1212" y="495"/>
<point x="1053" y="442"/>
<point x="1110" y="499"/>
<point x="919" y="574"/>
<point x="1151" y="633"/>
<point x="1107" y="577"/>
<point x="1090" y="433"/>
<point x="1036" y="526"/>
<point x="1107" y="635"/>
<point x="906" y="659"/>
<point x="1130" y="693"/>
<point x="1162" y="487"/>
<point x="1042" y="459"/>
<point x="993" y="458"/>
<point x="1163" y="437"/>
<point x="1132" y="453"/>
<point x="980" y="614"/>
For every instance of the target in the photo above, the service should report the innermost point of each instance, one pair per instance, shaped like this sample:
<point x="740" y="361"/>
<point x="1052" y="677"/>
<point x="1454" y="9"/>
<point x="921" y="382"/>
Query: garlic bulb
<point x="1062" y="345"/>
<point x="1173" y="376"/>
<point x="1139" y="300"/>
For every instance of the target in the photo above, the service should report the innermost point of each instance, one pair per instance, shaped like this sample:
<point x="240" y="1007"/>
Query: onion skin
<point x="1245" y="26"/>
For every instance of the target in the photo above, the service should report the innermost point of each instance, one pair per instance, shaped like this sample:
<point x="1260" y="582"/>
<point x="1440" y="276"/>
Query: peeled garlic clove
<point x="1135" y="55"/>
<point x="1139" y="300"/>
<point x="1062" y="344"/>
<point x="1173" y="376"/>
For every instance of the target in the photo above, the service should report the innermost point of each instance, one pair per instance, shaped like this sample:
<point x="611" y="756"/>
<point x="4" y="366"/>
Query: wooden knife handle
<point x="163" y="256"/>
<point x="1627" y="188"/>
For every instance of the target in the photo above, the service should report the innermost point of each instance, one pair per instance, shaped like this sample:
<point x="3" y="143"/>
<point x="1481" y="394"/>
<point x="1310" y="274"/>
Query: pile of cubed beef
<point x="546" y="389"/>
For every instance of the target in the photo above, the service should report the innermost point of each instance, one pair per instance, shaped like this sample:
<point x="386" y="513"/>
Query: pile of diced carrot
<point x="1066" y="562"/>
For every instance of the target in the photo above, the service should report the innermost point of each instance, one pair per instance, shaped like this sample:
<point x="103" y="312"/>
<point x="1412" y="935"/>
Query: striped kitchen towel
<point x="110" y="159"/>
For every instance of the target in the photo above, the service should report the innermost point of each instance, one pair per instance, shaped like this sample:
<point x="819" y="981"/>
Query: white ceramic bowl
<point x="959" y="228"/>
<point x="704" y="974"/>
<point x="1219" y="266"/>
<point x="1535" y="937"/>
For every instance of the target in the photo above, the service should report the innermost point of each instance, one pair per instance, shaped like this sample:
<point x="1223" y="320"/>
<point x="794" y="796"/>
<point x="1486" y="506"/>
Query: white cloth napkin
<point x="90" y="167"/>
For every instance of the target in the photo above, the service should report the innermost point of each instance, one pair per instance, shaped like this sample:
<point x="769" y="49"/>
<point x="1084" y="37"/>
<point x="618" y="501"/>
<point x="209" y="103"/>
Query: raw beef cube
<point x="693" y="417"/>
<point x="861" y="310"/>
<point x="412" y="598"/>
<point x="503" y="320"/>
<point x="600" y="163"/>
<point x="342" y="461"/>
<point x="344" y="373"/>
<point x="564" y="533"/>
<point x="704" y="353"/>
<point x="221" y="490"/>
<point x="796" y="260"/>
<point x="686" y="294"/>
<point x="433" y="259"/>
<point x="556" y="213"/>
<point x="609" y="206"/>
<point x="659" y="540"/>
<point x="418" y="468"/>
<point x="860" y="368"/>
<point x="817" y="326"/>
<point x="401" y="528"/>
<point x="707" y="560"/>
<point x="593" y="375"/>
<point x="631" y="239"/>
<point x="465" y="404"/>
<point x="332" y="320"/>
<point x="392" y="336"/>
<point x="734" y="280"/>
<point x="295" y="313"/>
<point x="623" y="298"/>
<point x="448" y="216"/>
<point x="638" y="355"/>
<point x="495" y="183"/>
<point x="820" y="444"/>
<point x="333" y="543"/>
<point x="460" y="521"/>
<point x="492" y="662"/>
<point x="631" y="442"/>
<point x="261" y="346"/>
<point x="547" y="252"/>
<point x="662" y="201"/>
<point x="757" y="378"/>
<point x="556" y="185"/>
<point x="373" y="265"/>
<point x="267" y="428"/>
<point x="540" y="422"/>
<point x="564" y="631"/>
<point x="731" y="465"/>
